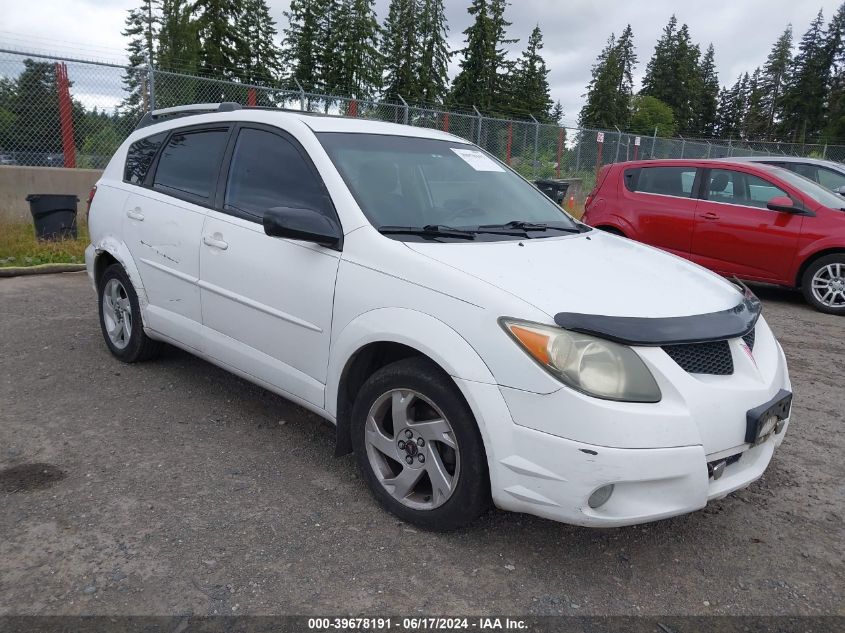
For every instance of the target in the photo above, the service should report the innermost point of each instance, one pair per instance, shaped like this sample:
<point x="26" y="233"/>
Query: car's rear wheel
<point x="823" y="284"/>
<point x="120" y="318"/>
<point x="418" y="446"/>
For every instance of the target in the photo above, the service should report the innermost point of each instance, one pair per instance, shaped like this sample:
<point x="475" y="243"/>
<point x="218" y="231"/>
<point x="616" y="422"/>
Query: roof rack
<point x="157" y="116"/>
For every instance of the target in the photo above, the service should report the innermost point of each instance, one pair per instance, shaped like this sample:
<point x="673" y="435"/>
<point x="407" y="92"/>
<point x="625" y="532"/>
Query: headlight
<point x="592" y="365"/>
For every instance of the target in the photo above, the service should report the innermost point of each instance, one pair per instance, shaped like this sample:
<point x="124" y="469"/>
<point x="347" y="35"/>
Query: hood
<point x="590" y="273"/>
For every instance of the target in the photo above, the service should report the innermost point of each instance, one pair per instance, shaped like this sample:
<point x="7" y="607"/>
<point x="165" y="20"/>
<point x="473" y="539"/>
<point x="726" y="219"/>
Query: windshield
<point x="812" y="189"/>
<point x="406" y="182"/>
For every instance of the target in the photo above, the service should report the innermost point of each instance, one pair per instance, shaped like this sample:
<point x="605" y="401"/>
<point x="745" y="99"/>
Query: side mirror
<point x="841" y="190"/>
<point x="783" y="203"/>
<point x="307" y="225"/>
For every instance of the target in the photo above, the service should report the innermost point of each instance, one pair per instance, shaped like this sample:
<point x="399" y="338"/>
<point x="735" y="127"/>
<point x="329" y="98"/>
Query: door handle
<point x="710" y="216"/>
<point x="215" y="242"/>
<point x="135" y="214"/>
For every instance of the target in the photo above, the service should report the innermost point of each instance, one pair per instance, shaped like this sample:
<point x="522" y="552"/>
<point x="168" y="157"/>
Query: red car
<point x="754" y="221"/>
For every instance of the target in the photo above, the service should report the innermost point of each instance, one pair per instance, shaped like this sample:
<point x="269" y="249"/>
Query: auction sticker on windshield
<point x="479" y="161"/>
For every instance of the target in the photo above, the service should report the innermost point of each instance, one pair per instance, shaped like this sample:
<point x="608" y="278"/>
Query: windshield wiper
<point x="521" y="225"/>
<point x="429" y="230"/>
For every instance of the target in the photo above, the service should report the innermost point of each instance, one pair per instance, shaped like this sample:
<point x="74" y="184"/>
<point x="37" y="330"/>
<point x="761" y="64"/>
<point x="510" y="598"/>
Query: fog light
<point x="600" y="496"/>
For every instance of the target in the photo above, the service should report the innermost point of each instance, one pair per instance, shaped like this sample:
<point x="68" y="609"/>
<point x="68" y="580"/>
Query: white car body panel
<point x="289" y="315"/>
<point x="271" y="295"/>
<point x="163" y="234"/>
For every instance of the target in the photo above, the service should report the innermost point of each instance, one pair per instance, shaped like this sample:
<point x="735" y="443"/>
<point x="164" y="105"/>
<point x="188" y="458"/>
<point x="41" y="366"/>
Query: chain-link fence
<point x="61" y="112"/>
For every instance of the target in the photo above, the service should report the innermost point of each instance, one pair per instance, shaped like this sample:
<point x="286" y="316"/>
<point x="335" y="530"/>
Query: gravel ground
<point x="172" y="487"/>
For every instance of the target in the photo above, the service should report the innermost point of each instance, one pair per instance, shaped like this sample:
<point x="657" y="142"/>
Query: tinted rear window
<point x="190" y="162"/>
<point x="139" y="158"/>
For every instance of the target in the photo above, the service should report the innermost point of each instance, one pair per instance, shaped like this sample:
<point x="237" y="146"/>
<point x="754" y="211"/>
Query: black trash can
<point x="54" y="215"/>
<point x="554" y="189"/>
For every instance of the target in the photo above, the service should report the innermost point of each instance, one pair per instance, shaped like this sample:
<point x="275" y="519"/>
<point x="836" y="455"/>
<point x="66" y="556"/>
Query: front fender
<point x="417" y="330"/>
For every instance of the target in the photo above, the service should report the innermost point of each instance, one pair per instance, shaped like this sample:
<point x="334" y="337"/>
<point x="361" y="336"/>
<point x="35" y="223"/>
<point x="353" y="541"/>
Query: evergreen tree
<point x="599" y="109"/>
<point x="433" y="67"/>
<point x="775" y="76"/>
<point x="400" y="53"/>
<point x="333" y="20"/>
<point x="733" y="105"/>
<point x="259" y="57"/>
<point x="485" y="72"/>
<point x="221" y="42"/>
<point x="531" y="95"/>
<point x="755" y="115"/>
<point x="659" y="80"/>
<point x="688" y="78"/>
<point x="359" y="72"/>
<point x="179" y="51"/>
<point x="141" y="29"/>
<point x="673" y="75"/>
<point x="476" y="80"/>
<point x="178" y="46"/>
<point x="557" y="113"/>
<point x="609" y="92"/>
<point x="835" y="114"/>
<point x="504" y="69"/>
<point x="802" y="107"/>
<point x="627" y="59"/>
<point x="707" y="101"/>
<point x="301" y="40"/>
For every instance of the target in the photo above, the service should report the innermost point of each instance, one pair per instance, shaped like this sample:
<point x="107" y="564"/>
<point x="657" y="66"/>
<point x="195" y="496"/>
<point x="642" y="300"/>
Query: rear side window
<point x="139" y="158"/>
<point x="269" y="171"/>
<point x="666" y="181"/>
<point x="190" y="162"/>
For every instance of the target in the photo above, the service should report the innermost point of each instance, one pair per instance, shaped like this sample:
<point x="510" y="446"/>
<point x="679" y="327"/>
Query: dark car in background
<point x="745" y="219"/>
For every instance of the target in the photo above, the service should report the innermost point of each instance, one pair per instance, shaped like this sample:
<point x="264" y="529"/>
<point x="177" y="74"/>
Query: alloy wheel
<point x="828" y="285"/>
<point x="412" y="449"/>
<point x="117" y="313"/>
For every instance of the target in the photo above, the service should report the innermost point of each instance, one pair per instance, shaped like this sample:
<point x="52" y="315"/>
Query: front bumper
<point x="659" y="468"/>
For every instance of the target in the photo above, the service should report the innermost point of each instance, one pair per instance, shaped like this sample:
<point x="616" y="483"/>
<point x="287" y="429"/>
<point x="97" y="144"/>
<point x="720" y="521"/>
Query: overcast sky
<point x="742" y="31"/>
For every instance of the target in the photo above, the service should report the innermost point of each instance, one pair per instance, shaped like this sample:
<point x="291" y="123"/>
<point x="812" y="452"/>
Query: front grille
<point x="749" y="339"/>
<point x="703" y="358"/>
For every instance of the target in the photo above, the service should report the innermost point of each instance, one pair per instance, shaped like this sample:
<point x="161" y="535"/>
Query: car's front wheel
<point x="418" y="446"/>
<point x="823" y="284"/>
<point x="120" y="318"/>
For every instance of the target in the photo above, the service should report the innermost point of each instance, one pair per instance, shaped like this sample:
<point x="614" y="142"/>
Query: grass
<point x="19" y="247"/>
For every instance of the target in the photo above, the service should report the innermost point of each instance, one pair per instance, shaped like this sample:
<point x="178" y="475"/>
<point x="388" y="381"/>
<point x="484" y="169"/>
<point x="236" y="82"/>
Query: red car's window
<point x="736" y="187"/>
<point x="666" y="181"/>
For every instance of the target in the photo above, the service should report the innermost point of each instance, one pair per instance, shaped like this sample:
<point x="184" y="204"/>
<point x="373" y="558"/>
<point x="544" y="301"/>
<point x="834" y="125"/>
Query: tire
<point x="823" y="284"/>
<point x="137" y="346"/>
<point x="420" y="391"/>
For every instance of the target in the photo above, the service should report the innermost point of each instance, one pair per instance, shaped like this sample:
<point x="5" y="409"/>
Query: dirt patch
<point x="26" y="477"/>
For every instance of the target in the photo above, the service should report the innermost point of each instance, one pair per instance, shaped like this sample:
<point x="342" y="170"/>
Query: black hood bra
<point x="698" y="328"/>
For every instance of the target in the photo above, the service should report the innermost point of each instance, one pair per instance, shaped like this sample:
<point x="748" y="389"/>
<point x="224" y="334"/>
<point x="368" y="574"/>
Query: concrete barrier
<point x="17" y="182"/>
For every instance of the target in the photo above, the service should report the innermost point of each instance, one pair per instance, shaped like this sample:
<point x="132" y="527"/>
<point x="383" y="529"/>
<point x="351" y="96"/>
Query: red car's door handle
<point x="710" y="216"/>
